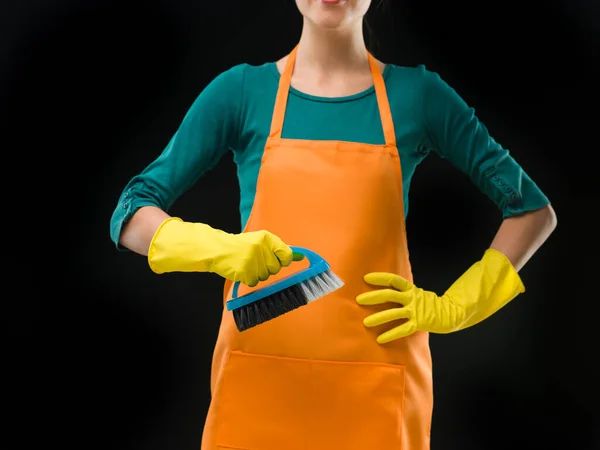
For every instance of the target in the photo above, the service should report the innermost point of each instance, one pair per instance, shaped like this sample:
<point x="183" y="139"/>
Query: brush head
<point x="288" y="299"/>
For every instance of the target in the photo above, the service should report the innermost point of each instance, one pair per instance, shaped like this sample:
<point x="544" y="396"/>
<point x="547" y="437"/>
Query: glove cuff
<point x="154" y="249"/>
<point x="497" y="262"/>
<point x="179" y="246"/>
<point x="487" y="286"/>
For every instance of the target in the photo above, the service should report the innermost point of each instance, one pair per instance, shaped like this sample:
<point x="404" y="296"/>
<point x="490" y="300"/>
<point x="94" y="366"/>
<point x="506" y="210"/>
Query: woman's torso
<point x="352" y="118"/>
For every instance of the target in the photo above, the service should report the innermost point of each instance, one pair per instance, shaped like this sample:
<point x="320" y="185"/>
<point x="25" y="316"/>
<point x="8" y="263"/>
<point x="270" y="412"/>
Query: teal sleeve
<point x="455" y="133"/>
<point x="208" y="130"/>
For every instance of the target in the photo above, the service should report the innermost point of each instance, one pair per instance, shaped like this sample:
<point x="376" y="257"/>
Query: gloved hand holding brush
<point x="483" y="289"/>
<point x="179" y="246"/>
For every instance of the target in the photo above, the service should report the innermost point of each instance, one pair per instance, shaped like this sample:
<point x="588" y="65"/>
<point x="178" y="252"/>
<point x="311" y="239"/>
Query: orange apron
<point x="315" y="378"/>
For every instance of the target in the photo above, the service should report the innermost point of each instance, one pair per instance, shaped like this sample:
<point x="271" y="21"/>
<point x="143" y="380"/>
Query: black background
<point x="103" y="354"/>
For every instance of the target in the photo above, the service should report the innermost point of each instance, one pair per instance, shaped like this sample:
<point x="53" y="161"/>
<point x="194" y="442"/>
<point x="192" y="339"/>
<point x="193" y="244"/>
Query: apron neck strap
<point x="285" y="82"/>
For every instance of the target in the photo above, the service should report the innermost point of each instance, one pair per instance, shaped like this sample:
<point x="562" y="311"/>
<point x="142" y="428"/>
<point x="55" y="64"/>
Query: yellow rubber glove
<point x="179" y="246"/>
<point x="483" y="289"/>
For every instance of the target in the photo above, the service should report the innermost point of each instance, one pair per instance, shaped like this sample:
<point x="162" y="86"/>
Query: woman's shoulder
<point x="407" y="72"/>
<point x="247" y="70"/>
<point x="417" y="78"/>
<point x="236" y="79"/>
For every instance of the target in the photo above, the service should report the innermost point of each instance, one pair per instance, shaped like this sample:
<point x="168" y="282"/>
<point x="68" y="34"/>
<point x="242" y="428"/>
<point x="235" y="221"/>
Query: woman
<point x="326" y="141"/>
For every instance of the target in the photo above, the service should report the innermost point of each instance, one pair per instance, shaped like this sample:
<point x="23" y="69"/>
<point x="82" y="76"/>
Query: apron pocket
<point x="356" y="406"/>
<point x="276" y="403"/>
<point x="263" y="404"/>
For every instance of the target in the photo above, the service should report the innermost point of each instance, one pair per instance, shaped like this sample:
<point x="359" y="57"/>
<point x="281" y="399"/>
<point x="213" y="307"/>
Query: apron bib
<point x="315" y="378"/>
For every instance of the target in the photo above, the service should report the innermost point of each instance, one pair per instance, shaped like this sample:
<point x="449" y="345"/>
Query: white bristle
<point x="333" y="280"/>
<point x="321" y="285"/>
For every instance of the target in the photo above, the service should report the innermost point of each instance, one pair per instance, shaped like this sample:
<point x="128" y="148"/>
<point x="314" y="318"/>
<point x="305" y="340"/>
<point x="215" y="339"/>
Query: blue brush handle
<point x="311" y="256"/>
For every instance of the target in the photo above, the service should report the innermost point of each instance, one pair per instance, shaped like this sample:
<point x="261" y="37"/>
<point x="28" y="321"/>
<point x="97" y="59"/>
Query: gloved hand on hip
<point x="179" y="246"/>
<point x="483" y="289"/>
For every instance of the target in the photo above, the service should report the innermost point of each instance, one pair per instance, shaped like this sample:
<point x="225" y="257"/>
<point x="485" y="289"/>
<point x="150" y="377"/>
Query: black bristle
<point x="269" y="307"/>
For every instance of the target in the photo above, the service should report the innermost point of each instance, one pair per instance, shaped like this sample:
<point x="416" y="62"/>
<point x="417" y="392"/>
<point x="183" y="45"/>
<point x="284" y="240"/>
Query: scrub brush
<point x="284" y="295"/>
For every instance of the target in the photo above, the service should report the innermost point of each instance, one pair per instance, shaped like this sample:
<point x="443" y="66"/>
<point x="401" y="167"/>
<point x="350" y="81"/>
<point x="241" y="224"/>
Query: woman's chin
<point x="329" y="21"/>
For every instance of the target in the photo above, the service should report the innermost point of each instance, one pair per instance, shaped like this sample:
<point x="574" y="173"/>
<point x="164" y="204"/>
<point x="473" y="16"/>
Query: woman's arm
<point x="519" y="237"/>
<point x="454" y="132"/>
<point x="208" y="130"/>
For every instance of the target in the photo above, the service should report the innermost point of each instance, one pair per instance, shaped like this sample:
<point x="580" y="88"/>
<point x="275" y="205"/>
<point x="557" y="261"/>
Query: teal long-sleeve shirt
<point x="234" y="112"/>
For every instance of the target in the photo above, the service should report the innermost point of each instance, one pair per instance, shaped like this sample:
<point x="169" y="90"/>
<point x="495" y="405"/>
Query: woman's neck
<point x="330" y="51"/>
